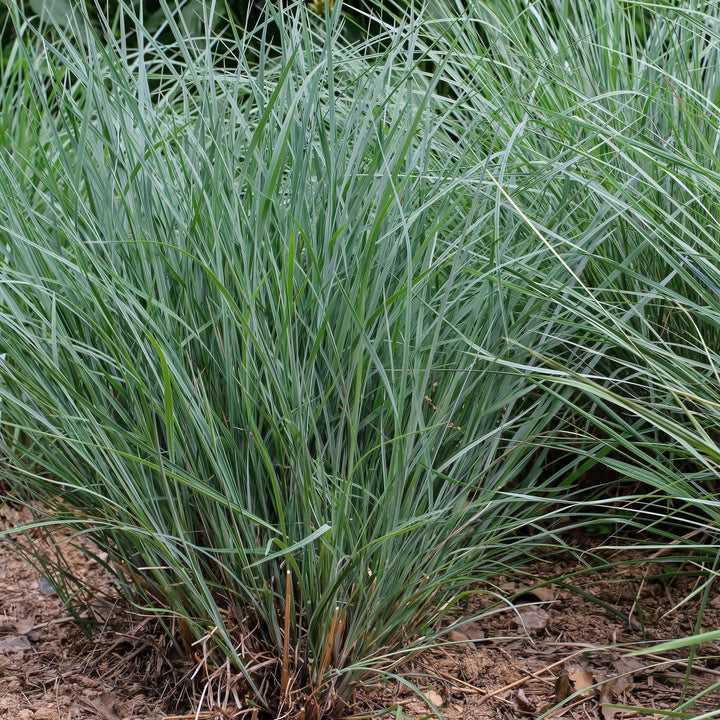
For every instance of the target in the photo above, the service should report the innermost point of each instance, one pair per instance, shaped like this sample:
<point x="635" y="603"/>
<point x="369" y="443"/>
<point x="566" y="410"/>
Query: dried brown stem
<point x="328" y="645"/>
<point x="286" y="640"/>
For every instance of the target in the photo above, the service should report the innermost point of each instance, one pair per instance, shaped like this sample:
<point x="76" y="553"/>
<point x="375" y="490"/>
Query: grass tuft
<point x="310" y="333"/>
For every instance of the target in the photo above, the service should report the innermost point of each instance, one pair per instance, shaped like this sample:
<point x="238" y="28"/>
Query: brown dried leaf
<point x="563" y="689"/>
<point x="543" y="594"/>
<point x="105" y="705"/>
<point x="14" y="643"/>
<point x="533" y="619"/>
<point x="581" y="679"/>
<point x="607" y="690"/>
<point x="434" y="698"/>
<point x="522" y="705"/>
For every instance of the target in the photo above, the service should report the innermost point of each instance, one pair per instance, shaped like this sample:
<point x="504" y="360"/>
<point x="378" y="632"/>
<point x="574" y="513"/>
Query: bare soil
<point x="50" y="669"/>
<point x="563" y="643"/>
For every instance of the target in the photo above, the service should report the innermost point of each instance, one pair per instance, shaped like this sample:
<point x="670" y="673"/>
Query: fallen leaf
<point x="105" y="705"/>
<point x="581" y="679"/>
<point x="473" y="630"/>
<point x="607" y="690"/>
<point x="544" y="593"/>
<point x="563" y="689"/>
<point x="434" y="698"/>
<point x="461" y="637"/>
<point x="14" y="643"/>
<point x="522" y="705"/>
<point x="533" y="619"/>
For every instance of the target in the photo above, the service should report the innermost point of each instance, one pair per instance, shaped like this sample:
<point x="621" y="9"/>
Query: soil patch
<point x="50" y="669"/>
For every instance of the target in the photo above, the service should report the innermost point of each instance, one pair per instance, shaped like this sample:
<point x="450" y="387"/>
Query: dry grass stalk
<point x="286" y="639"/>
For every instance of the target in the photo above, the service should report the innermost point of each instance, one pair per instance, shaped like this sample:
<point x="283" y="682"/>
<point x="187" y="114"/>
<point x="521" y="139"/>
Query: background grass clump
<point x="318" y="329"/>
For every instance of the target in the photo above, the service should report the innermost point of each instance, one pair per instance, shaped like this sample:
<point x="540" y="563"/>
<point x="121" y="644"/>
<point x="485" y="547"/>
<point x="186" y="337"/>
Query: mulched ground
<point x="562" y="655"/>
<point x="563" y="643"/>
<point x="49" y="669"/>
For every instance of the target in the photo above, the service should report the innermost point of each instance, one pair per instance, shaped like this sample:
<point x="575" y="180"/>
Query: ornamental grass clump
<point x="309" y="336"/>
<point x="238" y="311"/>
